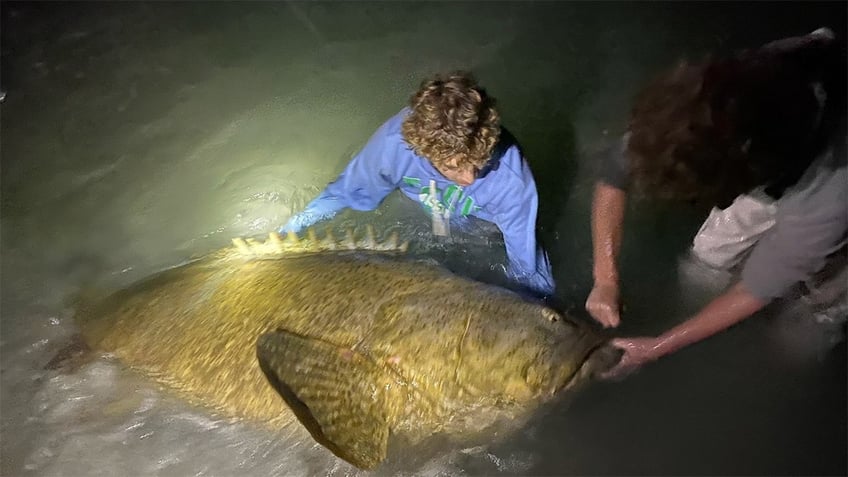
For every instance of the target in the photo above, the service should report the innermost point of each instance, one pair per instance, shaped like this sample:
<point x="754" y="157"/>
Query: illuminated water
<point x="135" y="135"/>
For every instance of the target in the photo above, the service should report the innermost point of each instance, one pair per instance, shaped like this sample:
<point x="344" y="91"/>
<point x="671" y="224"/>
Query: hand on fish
<point x="602" y="304"/>
<point x="637" y="352"/>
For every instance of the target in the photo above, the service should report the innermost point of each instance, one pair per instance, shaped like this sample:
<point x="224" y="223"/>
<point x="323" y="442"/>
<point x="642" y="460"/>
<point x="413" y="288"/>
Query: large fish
<point x="356" y="345"/>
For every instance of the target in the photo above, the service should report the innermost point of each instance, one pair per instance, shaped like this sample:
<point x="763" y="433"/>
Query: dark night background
<point x="137" y="134"/>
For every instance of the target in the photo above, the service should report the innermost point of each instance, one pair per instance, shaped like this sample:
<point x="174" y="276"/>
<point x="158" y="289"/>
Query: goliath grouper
<point x="350" y="339"/>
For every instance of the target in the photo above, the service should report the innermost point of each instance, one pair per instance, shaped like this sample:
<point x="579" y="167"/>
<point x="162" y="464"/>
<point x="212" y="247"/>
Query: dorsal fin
<point x="277" y="245"/>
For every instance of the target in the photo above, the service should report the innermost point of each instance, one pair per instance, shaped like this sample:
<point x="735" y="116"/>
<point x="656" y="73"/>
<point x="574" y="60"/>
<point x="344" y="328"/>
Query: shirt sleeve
<point x="368" y="178"/>
<point x="528" y="263"/>
<point x="811" y="224"/>
<point x="808" y="51"/>
<point x="612" y="168"/>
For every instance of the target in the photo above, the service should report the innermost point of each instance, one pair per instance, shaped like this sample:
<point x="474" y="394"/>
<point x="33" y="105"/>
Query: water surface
<point x="135" y="135"/>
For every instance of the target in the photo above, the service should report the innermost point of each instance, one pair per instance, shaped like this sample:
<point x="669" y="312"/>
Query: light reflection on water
<point x="137" y="135"/>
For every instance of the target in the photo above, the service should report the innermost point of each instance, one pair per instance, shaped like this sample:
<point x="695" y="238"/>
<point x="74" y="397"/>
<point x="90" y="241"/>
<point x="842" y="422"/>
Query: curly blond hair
<point x="452" y="118"/>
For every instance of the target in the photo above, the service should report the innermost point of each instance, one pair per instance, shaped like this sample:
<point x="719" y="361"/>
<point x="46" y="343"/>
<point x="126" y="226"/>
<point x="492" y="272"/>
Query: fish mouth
<point x="599" y="359"/>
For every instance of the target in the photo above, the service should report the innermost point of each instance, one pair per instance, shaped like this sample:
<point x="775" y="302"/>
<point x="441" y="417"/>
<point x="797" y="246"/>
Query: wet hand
<point x="602" y="304"/>
<point x="637" y="352"/>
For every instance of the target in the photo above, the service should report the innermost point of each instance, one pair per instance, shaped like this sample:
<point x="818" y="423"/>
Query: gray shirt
<point x="612" y="169"/>
<point x="811" y="224"/>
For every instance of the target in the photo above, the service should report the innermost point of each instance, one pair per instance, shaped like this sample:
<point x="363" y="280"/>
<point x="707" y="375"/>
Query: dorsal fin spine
<point x="292" y="243"/>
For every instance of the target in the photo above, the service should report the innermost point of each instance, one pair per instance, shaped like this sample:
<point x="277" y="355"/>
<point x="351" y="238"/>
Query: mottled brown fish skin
<point x="442" y="344"/>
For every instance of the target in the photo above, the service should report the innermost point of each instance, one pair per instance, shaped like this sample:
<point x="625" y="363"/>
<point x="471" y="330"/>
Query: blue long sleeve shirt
<point x="504" y="193"/>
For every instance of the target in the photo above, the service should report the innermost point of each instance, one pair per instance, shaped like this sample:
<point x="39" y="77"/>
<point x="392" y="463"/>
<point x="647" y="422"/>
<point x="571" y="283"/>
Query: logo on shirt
<point x="452" y="198"/>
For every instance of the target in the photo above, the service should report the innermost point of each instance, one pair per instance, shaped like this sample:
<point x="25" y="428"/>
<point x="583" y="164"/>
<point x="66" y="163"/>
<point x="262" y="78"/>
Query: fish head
<point x="529" y="354"/>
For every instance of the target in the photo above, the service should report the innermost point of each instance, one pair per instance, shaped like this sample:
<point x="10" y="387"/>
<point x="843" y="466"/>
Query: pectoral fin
<point x="339" y="395"/>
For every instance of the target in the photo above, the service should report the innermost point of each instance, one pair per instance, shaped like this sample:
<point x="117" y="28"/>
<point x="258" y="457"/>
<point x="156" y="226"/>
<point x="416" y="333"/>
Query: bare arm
<point x="608" y="205"/>
<point x="723" y="312"/>
<point x="730" y="308"/>
<point x="811" y="224"/>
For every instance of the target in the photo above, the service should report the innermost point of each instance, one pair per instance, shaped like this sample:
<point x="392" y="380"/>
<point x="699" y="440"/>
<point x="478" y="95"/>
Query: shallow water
<point x="136" y="135"/>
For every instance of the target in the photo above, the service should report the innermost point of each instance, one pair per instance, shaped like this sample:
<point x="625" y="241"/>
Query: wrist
<point x="605" y="272"/>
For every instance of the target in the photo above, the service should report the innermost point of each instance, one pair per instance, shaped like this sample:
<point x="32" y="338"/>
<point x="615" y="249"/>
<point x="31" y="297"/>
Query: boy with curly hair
<point x="448" y="151"/>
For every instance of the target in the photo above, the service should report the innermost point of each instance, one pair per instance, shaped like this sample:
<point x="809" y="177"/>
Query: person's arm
<point x="328" y="203"/>
<point x="608" y="207"/>
<point x="821" y="37"/>
<point x="723" y="312"/>
<point x="726" y="310"/>
<point x="811" y="224"/>
<point x="528" y="262"/>
<point x="365" y="182"/>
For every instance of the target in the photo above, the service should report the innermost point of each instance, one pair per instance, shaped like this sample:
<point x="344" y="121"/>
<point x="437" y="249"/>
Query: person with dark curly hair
<point x="765" y="127"/>
<point x="448" y="151"/>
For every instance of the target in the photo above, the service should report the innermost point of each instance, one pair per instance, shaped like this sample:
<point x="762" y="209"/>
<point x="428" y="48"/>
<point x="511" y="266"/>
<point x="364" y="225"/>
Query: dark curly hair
<point x="452" y="117"/>
<point x="709" y="131"/>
